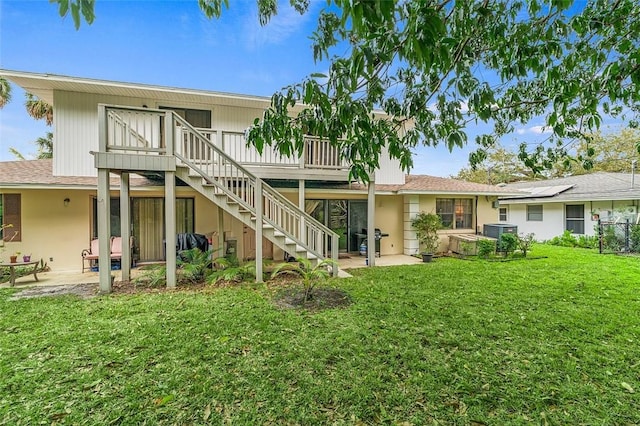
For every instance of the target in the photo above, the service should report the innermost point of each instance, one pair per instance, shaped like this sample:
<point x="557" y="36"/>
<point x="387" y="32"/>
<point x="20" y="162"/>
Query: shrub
<point x="195" y="264"/>
<point x="309" y="274"/>
<point x="564" y="240"/>
<point x="525" y="241"/>
<point x="610" y="240"/>
<point x="153" y="276"/>
<point x="486" y="248"/>
<point x="466" y="247"/>
<point x="427" y="226"/>
<point x="586" y="241"/>
<point x="229" y="269"/>
<point x="635" y="238"/>
<point x="508" y="243"/>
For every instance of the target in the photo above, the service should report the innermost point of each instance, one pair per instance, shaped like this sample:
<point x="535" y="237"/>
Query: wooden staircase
<point x="214" y="174"/>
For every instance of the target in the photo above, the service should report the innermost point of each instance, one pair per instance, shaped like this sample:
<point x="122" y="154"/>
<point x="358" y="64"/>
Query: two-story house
<point x="153" y="162"/>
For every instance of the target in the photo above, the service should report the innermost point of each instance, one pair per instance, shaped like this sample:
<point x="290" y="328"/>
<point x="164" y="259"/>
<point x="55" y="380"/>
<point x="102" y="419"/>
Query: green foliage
<point x="229" y="269"/>
<point x="427" y="226"/>
<point x="419" y="62"/>
<point x="499" y="166"/>
<point x="309" y="274"/>
<point x="567" y="239"/>
<point x="525" y="242"/>
<point x="587" y="241"/>
<point x="195" y="264"/>
<point x="38" y="109"/>
<point x="153" y="276"/>
<point x="466" y="247"/>
<point x="508" y="243"/>
<point x="546" y="341"/>
<point x="77" y="8"/>
<point x="610" y="240"/>
<point x="635" y="239"/>
<point x="5" y="92"/>
<point x="486" y="248"/>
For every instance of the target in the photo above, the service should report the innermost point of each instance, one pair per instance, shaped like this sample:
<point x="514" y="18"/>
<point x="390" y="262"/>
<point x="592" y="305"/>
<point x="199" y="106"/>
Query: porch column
<point x="170" y="226"/>
<point x="104" y="231"/>
<point x="371" y="222"/>
<point x="301" y="194"/>
<point x="221" y="247"/>
<point x="411" y="209"/>
<point x="259" y="222"/>
<point x="125" y="227"/>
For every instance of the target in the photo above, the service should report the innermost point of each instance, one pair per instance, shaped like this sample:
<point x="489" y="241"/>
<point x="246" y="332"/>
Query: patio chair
<point x="90" y="255"/>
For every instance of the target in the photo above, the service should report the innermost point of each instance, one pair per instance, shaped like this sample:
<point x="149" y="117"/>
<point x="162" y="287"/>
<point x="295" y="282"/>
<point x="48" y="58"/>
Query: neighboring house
<point x="188" y="146"/>
<point x="550" y="207"/>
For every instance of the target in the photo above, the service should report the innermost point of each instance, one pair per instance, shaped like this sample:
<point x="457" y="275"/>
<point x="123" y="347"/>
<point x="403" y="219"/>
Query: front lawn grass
<point x="547" y="341"/>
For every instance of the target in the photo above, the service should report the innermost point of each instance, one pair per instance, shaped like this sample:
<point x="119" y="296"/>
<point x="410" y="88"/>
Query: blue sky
<point x="171" y="43"/>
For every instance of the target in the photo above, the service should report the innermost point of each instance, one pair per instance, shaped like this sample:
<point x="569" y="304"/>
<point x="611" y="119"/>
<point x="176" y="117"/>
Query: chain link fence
<point x="619" y="237"/>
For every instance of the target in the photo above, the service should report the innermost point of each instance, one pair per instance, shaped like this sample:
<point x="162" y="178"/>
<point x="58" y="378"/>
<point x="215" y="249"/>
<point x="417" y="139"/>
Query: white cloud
<point x="534" y="130"/>
<point x="281" y="26"/>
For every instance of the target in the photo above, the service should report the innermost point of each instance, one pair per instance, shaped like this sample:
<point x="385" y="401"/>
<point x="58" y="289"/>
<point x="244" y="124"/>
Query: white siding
<point x="553" y="219"/>
<point x="235" y="119"/>
<point x="76" y="130"/>
<point x="389" y="172"/>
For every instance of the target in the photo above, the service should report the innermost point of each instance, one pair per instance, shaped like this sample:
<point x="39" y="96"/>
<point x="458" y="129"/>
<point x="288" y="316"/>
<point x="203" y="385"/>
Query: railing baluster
<point x="211" y="154"/>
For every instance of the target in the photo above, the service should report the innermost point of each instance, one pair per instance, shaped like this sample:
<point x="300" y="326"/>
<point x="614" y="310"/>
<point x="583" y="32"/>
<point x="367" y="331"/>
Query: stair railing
<point x="136" y="129"/>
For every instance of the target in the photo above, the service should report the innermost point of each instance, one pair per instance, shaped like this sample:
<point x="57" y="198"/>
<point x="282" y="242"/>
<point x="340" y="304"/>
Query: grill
<point x="379" y="235"/>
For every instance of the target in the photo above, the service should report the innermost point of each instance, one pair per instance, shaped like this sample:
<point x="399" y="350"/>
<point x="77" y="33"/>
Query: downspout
<point x="633" y="173"/>
<point x="476" y="213"/>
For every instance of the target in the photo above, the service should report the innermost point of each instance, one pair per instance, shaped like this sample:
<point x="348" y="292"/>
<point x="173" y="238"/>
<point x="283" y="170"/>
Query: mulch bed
<point x="286" y="292"/>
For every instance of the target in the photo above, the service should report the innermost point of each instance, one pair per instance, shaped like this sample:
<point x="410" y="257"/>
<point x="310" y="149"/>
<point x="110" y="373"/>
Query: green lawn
<point x="546" y="341"/>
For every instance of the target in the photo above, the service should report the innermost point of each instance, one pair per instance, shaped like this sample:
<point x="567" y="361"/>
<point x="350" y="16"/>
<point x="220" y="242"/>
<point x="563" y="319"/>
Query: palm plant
<point x="45" y="146"/>
<point x="229" y="269"/>
<point x="309" y="274"/>
<point x="38" y="109"/>
<point x="5" y="92"/>
<point x="195" y="264"/>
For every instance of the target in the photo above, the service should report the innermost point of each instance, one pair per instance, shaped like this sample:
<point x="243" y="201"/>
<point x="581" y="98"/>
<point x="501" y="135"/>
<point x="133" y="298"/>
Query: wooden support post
<point x="104" y="231"/>
<point x="221" y="232"/>
<point x="170" y="226"/>
<point x="371" y="223"/>
<point x="259" y="223"/>
<point x="125" y="227"/>
<point x="303" y="235"/>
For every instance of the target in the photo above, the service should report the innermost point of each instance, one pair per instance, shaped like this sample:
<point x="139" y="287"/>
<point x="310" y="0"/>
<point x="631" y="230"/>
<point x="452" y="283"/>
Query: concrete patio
<point x="74" y="278"/>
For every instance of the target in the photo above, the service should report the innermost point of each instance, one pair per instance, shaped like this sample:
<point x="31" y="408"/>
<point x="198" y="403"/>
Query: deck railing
<point x="143" y="131"/>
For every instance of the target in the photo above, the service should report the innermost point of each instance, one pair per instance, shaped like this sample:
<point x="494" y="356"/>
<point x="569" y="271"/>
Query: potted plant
<point x="427" y="226"/>
<point x="14" y="257"/>
<point x="26" y="258"/>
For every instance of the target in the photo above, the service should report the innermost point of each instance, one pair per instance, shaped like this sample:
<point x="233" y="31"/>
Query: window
<point x="456" y="213"/>
<point x="10" y="217"/>
<point x="198" y="118"/>
<point x="534" y="213"/>
<point x="574" y="215"/>
<point x="503" y="214"/>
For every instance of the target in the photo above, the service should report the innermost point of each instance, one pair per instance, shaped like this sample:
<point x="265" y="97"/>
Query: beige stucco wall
<point x="483" y="213"/>
<point x="58" y="233"/>
<point x="52" y="231"/>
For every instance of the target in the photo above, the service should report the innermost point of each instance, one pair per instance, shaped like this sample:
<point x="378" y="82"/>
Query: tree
<point x="5" y="92"/>
<point x="612" y="152"/>
<point x="45" y="148"/>
<point x="435" y="67"/>
<point x="38" y="109"/>
<point x="499" y="166"/>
